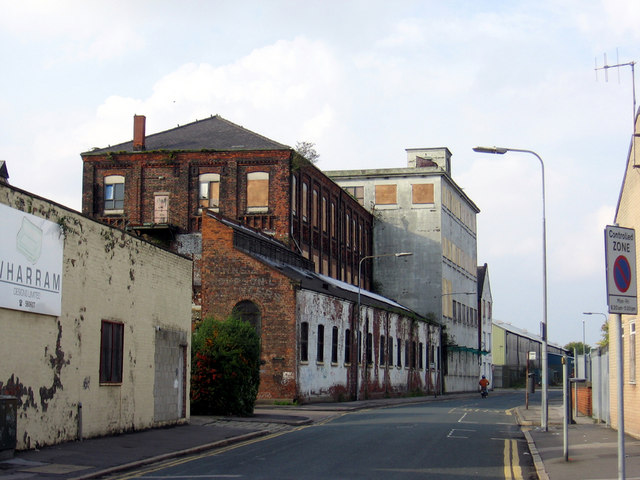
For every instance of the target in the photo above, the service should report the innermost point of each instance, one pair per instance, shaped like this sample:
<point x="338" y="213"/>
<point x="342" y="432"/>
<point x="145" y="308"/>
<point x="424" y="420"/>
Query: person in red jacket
<point x="484" y="383"/>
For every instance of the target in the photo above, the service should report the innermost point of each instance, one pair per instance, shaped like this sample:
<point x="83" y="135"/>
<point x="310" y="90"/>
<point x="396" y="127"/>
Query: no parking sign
<point x="620" y="246"/>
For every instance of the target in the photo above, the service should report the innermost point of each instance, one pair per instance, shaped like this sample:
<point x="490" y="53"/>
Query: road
<point x="450" y="439"/>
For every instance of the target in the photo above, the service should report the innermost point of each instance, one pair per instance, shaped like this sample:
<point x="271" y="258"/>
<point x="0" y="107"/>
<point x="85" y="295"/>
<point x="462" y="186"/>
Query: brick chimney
<point x="138" y="132"/>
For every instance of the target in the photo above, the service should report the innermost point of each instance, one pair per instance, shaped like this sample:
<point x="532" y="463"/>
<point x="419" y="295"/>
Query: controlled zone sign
<point x="620" y="248"/>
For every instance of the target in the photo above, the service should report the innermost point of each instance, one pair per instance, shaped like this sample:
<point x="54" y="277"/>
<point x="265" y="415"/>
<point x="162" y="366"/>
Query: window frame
<point x="114" y="193"/>
<point x="111" y="355"/>
<point x="207" y="179"/>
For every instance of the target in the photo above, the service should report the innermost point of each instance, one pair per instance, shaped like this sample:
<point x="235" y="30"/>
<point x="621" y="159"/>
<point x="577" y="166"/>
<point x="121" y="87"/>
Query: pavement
<point x="592" y="447"/>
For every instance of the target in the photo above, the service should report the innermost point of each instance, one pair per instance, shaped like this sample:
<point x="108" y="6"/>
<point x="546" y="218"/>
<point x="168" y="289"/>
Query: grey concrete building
<point x="420" y="209"/>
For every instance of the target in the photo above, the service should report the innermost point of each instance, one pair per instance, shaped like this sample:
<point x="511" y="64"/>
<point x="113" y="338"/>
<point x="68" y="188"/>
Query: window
<point x="357" y="193"/>
<point x="114" y="193"/>
<point x="111" y="348"/>
<point x="334" y="345"/>
<point x="314" y="209"/>
<point x="406" y="353"/>
<point x="359" y="359"/>
<point x="209" y="196"/>
<point x="257" y="191"/>
<point x="294" y="195"/>
<point x="422" y="193"/>
<point x="320" y="350"/>
<point x="369" y="347"/>
<point x="305" y="201"/>
<point x="632" y="352"/>
<point x="420" y="357"/>
<point x="399" y="354"/>
<point x="382" y="350"/>
<point x="347" y="346"/>
<point x="324" y="214"/>
<point x="386" y="195"/>
<point x="333" y="220"/>
<point x="304" y="342"/>
<point x="390" y="355"/>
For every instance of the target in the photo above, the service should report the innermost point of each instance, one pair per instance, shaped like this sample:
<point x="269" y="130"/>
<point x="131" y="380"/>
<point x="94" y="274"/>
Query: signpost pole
<point x="622" y="292"/>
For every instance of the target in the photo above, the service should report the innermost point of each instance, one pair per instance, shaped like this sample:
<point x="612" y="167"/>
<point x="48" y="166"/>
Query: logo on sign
<point x="622" y="273"/>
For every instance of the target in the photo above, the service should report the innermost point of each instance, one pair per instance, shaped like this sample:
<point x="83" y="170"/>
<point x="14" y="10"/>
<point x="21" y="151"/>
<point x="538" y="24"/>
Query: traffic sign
<point x="620" y="248"/>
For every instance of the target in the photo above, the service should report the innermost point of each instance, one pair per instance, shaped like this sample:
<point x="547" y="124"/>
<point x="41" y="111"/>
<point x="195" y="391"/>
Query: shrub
<point x="225" y="367"/>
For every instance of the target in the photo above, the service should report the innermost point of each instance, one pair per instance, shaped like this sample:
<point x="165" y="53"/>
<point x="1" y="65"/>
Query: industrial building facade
<point x="96" y="323"/>
<point x="422" y="209"/>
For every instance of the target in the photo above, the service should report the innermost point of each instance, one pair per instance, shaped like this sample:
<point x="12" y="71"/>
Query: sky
<point x="363" y="81"/>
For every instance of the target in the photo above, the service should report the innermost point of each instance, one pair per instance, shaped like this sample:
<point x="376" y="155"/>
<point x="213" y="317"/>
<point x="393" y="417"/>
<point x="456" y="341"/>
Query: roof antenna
<point x="606" y="67"/>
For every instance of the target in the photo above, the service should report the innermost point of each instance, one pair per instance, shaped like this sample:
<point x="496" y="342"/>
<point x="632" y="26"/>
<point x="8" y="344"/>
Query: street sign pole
<point x="622" y="291"/>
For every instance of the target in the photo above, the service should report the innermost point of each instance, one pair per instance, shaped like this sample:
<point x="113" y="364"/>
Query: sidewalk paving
<point x="592" y="447"/>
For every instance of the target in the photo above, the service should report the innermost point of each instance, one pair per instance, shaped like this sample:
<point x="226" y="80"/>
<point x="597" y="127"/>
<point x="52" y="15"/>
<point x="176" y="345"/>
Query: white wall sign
<point x="620" y="248"/>
<point x="31" y="250"/>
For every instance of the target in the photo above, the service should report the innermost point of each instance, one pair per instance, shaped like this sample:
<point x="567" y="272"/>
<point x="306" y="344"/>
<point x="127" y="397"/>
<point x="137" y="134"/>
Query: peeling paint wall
<point x="52" y="364"/>
<point x="329" y="380"/>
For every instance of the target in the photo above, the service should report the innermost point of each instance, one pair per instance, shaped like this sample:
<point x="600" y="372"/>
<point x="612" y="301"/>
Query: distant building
<point x="627" y="215"/>
<point x="511" y="349"/>
<point x="421" y="209"/>
<point x="485" y="308"/>
<point x="306" y="322"/>
<point x="96" y="325"/>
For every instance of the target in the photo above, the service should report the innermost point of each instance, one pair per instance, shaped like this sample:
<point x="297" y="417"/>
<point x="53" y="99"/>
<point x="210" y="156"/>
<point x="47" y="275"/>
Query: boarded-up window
<point x="161" y="208"/>
<point x="209" y="196"/>
<point x="422" y="193"/>
<point x="294" y="195"/>
<point x="324" y="214"/>
<point x="386" y="195"/>
<point x="258" y="190"/>
<point x="111" y="352"/>
<point x="357" y="193"/>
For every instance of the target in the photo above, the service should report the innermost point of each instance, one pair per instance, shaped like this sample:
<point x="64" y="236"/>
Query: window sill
<point x="113" y="212"/>
<point x="257" y="209"/>
<point x="304" y="362"/>
<point x="110" y="384"/>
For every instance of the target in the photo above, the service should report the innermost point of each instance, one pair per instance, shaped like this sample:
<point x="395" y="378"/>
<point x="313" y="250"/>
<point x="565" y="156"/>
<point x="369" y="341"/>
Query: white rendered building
<point x="420" y="209"/>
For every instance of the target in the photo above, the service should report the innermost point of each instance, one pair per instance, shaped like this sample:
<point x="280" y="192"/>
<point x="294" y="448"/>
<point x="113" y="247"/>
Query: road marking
<point x="451" y="435"/>
<point x="512" y="469"/>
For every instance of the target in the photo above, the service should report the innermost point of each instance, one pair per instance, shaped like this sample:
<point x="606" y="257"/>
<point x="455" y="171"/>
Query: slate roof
<point x="213" y="133"/>
<point x="308" y="279"/>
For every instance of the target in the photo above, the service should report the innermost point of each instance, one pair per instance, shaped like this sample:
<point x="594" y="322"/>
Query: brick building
<point x="628" y="216"/>
<point x="158" y="186"/>
<point x="305" y="320"/>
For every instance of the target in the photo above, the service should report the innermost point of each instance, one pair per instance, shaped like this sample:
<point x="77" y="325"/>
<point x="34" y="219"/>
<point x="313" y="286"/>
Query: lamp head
<point x="495" y="150"/>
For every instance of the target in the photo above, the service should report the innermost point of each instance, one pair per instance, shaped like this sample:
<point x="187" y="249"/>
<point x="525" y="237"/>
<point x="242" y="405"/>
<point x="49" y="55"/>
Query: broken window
<point x="209" y="190"/>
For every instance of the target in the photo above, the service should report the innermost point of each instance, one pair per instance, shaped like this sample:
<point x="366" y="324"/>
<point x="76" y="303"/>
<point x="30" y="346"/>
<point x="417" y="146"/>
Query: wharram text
<point x="29" y="277"/>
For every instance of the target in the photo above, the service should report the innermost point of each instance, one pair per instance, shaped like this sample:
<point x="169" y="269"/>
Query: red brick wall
<point x="230" y="276"/>
<point x="177" y="173"/>
<point x="584" y="399"/>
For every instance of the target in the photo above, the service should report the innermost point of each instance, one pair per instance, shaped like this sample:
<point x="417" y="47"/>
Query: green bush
<point x="225" y="367"/>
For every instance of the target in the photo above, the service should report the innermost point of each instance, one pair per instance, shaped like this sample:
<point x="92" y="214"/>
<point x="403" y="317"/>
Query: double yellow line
<point x="512" y="469"/>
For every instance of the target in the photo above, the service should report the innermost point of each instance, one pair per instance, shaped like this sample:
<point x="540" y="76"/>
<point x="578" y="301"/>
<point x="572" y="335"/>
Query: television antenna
<point x="617" y="66"/>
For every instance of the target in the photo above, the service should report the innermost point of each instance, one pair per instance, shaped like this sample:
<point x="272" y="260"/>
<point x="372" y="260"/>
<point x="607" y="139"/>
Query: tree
<point x="308" y="151"/>
<point x="578" y="346"/>
<point x="604" y="341"/>
<point x="225" y="367"/>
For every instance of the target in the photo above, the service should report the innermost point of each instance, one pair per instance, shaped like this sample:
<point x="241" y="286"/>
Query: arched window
<point x="249" y="312"/>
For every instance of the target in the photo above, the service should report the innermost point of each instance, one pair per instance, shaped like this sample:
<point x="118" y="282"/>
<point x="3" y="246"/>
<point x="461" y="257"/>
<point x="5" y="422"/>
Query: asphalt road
<point x="451" y="439"/>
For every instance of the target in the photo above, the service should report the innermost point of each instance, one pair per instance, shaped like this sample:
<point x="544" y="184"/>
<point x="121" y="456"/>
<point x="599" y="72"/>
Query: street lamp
<point x="357" y="329"/>
<point x="544" y="409"/>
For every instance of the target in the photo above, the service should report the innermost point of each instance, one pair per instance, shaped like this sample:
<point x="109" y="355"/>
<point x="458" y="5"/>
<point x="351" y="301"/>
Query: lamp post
<point x="544" y="403"/>
<point x="357" y="329"/>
